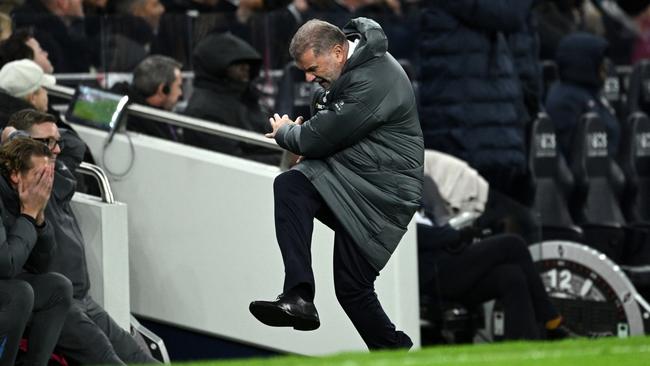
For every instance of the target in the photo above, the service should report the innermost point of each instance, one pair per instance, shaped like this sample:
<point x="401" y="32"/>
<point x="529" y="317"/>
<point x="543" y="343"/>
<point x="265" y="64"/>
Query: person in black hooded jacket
<point x="224" y="67"/>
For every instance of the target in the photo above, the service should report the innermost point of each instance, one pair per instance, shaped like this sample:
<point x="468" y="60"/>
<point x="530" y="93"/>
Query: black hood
<point x="214" y="53"/>
<point x="579" y="57"/>
<point x="373" y="41"/>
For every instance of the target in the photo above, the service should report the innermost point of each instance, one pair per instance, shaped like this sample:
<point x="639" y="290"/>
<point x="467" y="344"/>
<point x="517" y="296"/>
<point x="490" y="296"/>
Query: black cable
<point x="112" y="174"/>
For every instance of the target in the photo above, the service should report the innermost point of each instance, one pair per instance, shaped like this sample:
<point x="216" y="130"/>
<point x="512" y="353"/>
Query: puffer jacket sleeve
<point x="493" y="15"/>
<point x="346" y="121"/>
<point x="16" y="245"/>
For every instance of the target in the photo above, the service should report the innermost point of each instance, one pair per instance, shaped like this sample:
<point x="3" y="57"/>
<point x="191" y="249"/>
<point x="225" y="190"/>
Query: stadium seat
<point x="635" y="161"/>
<point x="550" y="74"/>
<point x="553" y="183"/>
<point x="599" y="188"/>
<point x="638" y="95"/>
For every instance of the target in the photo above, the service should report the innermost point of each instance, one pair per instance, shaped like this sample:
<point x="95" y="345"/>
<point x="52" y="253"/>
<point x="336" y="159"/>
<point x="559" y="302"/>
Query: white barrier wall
<point x="202" y="247"/>
<point x="105" y="231"/>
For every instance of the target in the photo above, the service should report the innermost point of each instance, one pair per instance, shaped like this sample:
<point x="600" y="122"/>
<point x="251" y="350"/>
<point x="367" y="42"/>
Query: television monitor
<point x="96" y="108"/>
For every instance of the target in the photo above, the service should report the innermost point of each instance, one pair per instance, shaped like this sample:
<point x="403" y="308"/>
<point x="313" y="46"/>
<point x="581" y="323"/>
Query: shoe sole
<point x="274" y="317"/>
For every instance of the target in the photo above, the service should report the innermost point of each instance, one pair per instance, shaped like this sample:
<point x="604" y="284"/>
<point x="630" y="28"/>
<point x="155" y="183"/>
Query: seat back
<point x="635" y="161"/>
<point x="614" y="93"/>
<point x="638" y="95"/>
<point x="553" y="182"/>
<point x="598" y="177"/>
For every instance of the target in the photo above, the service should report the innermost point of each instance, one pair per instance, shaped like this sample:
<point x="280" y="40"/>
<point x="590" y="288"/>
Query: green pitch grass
<point x="591" y="352"/>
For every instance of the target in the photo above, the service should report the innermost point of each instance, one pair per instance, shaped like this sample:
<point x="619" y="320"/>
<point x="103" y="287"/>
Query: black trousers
<point x="46" y="298"/>
<point x="91" y="337"/>
<point x="297" y="203"/>
<point x="501" y="268"/>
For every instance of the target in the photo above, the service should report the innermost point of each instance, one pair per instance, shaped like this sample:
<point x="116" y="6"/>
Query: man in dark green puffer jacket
<point x="361" y="174"/>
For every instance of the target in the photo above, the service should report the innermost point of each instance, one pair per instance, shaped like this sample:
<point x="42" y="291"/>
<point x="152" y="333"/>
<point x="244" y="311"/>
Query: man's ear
<point x="14" y="177"/>
<point x="339" y="52"/>
<point x="162" y="90"/>
<point x="30" y="98"/>
<point x="63" y="5"/>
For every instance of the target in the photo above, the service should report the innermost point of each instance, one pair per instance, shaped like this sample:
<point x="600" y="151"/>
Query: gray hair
<point x="317" y="35"/>
<point x="153" y="71"/>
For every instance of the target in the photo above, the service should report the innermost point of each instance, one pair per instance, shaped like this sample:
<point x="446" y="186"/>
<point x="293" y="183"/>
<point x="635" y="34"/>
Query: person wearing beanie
<point x="22" y="85"/>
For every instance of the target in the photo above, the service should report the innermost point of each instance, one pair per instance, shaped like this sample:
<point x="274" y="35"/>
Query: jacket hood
<point x="214" y="53"/>
<point x="373" y="41"/>
<point x="579" y="57"/>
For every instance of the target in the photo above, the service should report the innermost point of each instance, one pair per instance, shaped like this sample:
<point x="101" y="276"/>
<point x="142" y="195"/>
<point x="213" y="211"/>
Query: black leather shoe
<point x="289" y="310"/>
<point x="560" y="333"/>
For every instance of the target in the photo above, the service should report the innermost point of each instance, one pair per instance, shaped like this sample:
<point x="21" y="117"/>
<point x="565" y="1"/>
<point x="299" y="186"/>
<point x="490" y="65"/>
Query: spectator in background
<point x="21" y="45"/>
<point x="95" y="7"/>
<point x="28" y="291"/>
<point x="60" y="28"/>
<point x="202" y="6"/>
<point x="89" y="335"/>
<point x="21" y="87"/>
<point x="6" y="26"/>
<point x="224" y="67"/>
<point x="524" y="45"/>
<point x="470" y="96"/>
<point x="147" y="11"/>
<point x="133" y="33"/>
<point x="156" y="83"/>
<point x="639" y="11"/>
<point x="558" y="18"/>
<point x="583" y="68"/>
<point x="6" y="6"/>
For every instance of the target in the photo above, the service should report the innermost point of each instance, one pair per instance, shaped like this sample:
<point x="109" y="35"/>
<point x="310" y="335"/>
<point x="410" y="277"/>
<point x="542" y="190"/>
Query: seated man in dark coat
<point x="156" y="83"/>
<point x="27" y="244"/>
<point x="89" y="335"/>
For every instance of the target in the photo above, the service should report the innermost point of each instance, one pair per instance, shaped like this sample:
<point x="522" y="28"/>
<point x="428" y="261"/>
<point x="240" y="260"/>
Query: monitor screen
<point x="96" y="108"/>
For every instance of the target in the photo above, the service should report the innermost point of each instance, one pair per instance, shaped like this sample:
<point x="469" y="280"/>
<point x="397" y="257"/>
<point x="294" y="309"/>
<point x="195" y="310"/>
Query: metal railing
<point x="179" y="120"/>
<point x="101" y="178"/>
